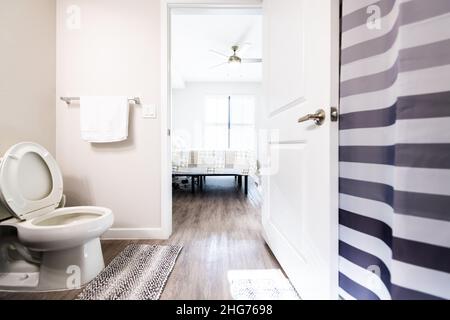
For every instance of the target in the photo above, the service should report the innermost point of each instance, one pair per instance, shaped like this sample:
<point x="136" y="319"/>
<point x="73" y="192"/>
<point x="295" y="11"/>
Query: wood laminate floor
<point x="219" y="229"/>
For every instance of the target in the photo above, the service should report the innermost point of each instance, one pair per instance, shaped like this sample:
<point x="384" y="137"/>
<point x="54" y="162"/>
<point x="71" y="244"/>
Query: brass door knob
<point x="318" y="117"/>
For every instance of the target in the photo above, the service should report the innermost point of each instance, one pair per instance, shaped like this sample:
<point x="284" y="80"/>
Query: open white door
<point x="300" y="160"/>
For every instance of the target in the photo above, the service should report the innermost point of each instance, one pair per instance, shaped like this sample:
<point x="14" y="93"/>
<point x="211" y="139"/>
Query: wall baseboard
<point x="135" y="234"/>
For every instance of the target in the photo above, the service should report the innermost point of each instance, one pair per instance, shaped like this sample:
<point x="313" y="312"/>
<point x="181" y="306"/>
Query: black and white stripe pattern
<point x="140" y="272"/>
<point x="395" y="151"/>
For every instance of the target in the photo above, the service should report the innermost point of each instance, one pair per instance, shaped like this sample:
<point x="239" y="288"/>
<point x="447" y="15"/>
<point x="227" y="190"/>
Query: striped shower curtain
<point x="395" y="150"/>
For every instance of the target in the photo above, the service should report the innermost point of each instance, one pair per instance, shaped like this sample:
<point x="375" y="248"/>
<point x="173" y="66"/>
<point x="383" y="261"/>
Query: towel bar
<point x="68" y="100"/>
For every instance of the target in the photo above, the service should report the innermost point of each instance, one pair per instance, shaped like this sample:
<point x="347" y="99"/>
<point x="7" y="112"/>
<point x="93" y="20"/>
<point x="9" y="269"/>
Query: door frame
<point x="166" y="109"/>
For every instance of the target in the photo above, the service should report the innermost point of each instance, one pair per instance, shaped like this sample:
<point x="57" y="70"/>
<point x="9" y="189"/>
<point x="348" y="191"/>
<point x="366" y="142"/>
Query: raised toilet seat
<point x="67" y="239"/>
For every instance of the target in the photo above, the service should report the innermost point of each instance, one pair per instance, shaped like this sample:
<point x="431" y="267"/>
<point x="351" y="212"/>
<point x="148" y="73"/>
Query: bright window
<point x="229" y="122"/>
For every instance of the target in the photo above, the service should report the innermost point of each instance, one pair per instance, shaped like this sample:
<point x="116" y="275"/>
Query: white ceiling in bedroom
<point x="195" y="32"/>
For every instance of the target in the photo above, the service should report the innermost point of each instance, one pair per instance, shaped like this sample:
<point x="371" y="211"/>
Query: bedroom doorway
<point x="215" y="60"/>
<point x="216" y="75"/>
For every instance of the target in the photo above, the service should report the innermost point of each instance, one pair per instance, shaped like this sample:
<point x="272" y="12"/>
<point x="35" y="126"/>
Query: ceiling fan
<point x="236" y="58"/>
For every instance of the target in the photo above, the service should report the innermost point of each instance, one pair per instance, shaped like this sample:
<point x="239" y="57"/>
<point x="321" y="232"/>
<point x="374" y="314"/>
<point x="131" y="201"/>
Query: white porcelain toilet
<point x="42" y="247"/>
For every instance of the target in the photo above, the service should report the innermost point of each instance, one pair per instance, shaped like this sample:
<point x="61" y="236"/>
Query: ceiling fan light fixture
<point x="234" y="60"/>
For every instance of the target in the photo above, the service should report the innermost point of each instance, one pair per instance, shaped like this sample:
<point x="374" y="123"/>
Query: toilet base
<point x="71" y="268"/>
<point x="59" y="270"/>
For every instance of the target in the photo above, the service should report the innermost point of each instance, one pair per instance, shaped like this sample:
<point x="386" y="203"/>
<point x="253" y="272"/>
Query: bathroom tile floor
<point x="220" y="230"/>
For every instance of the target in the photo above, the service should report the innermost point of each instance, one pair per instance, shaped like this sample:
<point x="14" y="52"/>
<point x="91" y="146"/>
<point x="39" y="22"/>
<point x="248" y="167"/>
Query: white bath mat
<point x="260" y="285"/>
<point x="140" y="272"/>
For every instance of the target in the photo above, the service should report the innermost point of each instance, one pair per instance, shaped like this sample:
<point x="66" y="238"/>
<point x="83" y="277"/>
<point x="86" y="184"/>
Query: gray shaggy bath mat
<point x="140" y="272"/>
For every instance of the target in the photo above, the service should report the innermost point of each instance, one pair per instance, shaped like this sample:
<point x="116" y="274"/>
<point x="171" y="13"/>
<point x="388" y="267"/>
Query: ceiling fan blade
<point x="252" y="60"/>
<point x="244" y="47"/>
<point x="219" y="53"/>
<point x="218" y="65"/>
<point x="244" y="37"/>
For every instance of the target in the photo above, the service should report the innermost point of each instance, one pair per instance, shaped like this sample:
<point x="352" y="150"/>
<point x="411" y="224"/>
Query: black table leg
<point x="200" y="182"/>
<point x="193" y="184"/>
<point x="246" y="185"/>
<point x="240" y="182"/>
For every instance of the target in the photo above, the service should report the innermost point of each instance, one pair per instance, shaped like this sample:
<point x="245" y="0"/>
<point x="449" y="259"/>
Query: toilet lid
<point x="30" y="180"/>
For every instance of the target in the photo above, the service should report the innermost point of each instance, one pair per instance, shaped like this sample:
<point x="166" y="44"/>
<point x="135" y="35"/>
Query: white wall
<point x="188" y="107"/>
<point x="27" y="72"/>
<point x="116" y="51"/>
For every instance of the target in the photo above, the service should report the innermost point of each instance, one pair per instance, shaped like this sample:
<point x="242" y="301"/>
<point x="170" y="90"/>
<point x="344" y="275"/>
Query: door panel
<point x="289" y="215"/>
<point x="300" y="183"/>
<point x="285" y="33"/>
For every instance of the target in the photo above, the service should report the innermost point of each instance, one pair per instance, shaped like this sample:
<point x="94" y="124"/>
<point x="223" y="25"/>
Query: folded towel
<point x="104" y="119"/>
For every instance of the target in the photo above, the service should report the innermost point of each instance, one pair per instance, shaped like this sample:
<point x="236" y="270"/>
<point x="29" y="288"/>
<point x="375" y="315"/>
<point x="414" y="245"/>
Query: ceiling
<point x="195" y="32"/>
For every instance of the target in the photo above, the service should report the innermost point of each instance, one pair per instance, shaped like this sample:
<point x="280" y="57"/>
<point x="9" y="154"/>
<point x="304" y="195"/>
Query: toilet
<point x="43" y="247"/>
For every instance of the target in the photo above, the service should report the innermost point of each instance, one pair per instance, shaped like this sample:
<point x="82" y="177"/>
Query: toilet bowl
<point x="60" y="248"/>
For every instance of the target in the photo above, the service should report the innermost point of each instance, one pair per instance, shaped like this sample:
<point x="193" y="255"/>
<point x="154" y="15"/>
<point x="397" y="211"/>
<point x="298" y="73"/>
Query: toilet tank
<point x="4" y="213"/>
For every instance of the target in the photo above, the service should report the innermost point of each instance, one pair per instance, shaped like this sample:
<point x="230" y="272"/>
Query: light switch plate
<point x="149" y="111"/>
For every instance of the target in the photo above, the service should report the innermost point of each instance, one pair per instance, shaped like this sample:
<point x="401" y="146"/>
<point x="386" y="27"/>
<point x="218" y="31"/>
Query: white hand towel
<point x="104" y="119"/>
